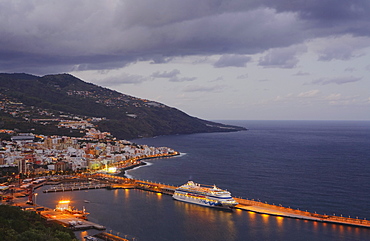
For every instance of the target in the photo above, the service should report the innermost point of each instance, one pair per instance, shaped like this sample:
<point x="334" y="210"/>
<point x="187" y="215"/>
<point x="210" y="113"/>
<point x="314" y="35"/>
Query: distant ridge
<point x="37" y="104"/>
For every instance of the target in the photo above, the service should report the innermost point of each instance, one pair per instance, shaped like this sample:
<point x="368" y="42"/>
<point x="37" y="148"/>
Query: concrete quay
<point x="263" y="208"/>
<point x="255" y="206"/>
<point x="76" y="187"/>
<point x="122" y="186"/>
<point x="114" y="182"/>
<point x="63" y="218"/>
<point x="68" y="220"/>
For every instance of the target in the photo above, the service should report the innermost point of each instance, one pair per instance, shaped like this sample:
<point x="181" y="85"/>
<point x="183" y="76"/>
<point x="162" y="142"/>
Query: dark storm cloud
<point x="76" y="35"/>
<point x="340" y="16"/>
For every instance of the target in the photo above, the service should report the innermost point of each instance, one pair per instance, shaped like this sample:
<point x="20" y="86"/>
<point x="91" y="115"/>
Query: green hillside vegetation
<point x="8" y="122"/>
<point x="126" y="117"/>
<point x="18" y="225"/>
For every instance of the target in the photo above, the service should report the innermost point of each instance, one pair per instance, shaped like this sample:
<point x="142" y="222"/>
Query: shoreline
<point x="123" y="170"/>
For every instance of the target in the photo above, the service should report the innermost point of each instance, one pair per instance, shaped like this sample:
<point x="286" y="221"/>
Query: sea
<point x="318" y="166"/>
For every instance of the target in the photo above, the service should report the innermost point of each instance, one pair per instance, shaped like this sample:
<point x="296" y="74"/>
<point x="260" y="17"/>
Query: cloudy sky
<point x="214" y="59"/>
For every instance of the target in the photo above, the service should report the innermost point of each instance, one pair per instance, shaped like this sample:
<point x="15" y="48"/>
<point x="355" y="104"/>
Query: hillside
<point x="40" y="104"/>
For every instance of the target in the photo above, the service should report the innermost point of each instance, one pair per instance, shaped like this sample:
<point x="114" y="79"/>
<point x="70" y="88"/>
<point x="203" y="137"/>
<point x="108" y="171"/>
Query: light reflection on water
<point x="265" y="218"/>
<point x="197" y="217"/>
<point x="148" y="216"/>
<point x="82" y="235"/>
<point x="279" y="221"/>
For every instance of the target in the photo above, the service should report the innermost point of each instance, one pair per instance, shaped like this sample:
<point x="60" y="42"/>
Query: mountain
<point x="41" y="104"/>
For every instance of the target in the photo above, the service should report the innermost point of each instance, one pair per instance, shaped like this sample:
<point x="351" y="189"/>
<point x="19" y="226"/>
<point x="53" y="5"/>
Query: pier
<point x="70" y="221"/>
<point x="263" y="208"/>
<point x="117" y="182"/>
<point x="75" y="187"/>
<point x="251" y="205"/>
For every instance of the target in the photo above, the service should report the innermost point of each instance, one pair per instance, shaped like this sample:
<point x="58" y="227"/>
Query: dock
<point x="70" y="221"/>
<point x="117" y="182"/>
<point x="75" y="187"/>
<point x="122" y="186"/>
<point x="64" y="218"/>
<point x="263" y="208"/>
<point x="254" y="206"/>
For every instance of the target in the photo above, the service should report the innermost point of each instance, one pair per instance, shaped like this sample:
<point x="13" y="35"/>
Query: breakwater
<point x="271" y="209"/>
<point x="100" y="180"/>
<point x="247" y="205"/>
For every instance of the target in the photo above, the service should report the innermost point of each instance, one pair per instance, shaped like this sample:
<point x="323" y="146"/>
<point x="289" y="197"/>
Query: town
<point x="29" y="161"/>
<point x="29" y="155"/>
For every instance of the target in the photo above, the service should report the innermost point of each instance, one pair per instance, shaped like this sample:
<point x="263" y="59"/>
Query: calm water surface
<point x="320" y="166"/>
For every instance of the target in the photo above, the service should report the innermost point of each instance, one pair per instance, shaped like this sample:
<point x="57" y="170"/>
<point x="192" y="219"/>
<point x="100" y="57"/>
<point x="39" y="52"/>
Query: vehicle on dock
<point x="90" y="238"/>
<point x="210" y="196"/>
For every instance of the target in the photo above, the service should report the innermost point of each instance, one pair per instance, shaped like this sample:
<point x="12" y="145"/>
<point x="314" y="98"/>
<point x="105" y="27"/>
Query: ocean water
<point x="320" y="166"/>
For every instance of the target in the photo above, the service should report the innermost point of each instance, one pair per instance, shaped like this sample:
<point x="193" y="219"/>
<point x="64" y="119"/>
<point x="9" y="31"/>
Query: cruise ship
<point x="210" y="196"/>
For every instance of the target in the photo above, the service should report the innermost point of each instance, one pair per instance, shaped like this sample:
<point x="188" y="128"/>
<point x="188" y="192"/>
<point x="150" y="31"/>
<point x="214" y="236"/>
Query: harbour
<point x="117" y="182"/>
<point x="262" y="208"/>
<point x="150" y="215"/>
<point x="141" y="207"/>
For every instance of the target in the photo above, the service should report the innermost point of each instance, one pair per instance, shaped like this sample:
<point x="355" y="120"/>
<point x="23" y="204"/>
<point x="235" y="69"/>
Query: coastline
<point x="143" y="163"/>
<point x="313" y="227"/>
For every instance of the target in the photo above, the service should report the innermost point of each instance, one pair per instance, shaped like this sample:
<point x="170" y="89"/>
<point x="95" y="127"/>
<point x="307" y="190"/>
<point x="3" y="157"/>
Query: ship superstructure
<point x="211" y="196"/>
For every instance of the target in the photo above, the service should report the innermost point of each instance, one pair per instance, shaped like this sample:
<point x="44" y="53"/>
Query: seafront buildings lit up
<point x="37" y="154"/>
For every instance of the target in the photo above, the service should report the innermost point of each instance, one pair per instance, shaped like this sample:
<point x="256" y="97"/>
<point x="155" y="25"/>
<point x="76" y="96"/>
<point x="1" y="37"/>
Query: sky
<point x="213" y="59"/>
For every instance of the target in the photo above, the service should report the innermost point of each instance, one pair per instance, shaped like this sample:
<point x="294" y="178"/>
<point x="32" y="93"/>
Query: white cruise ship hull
<point x="198" y="201"/>
<point x="211" y="197"/>
<point x="203" y="201"/>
